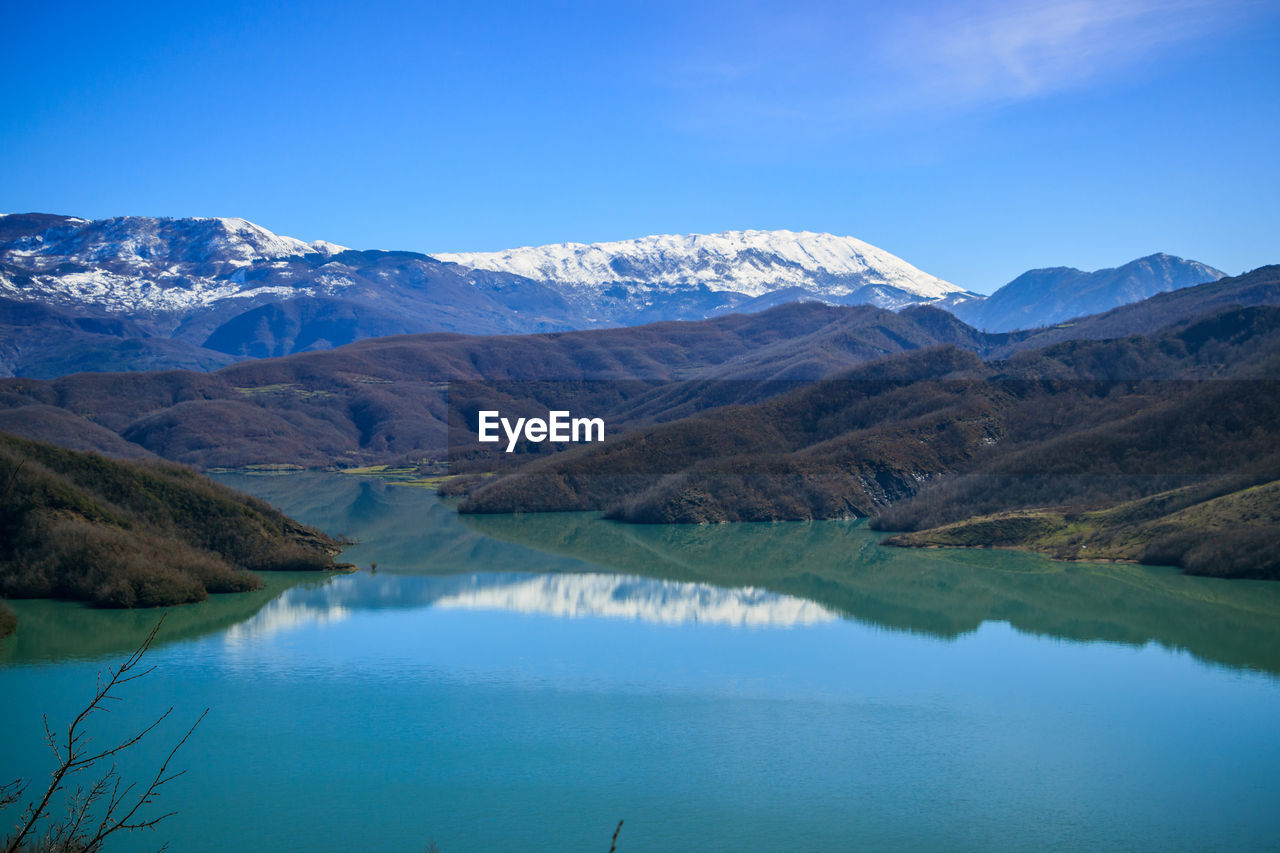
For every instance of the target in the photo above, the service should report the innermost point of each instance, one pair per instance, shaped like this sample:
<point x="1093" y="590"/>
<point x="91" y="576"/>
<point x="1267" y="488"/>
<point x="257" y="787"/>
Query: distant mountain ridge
<point x="1042" y="297"/>
<point x="139" y="293"/>
<point x="738" y="265"/>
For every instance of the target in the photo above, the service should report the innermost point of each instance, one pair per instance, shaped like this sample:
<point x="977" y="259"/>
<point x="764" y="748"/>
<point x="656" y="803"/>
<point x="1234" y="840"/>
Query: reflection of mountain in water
<point x="642" y="599"/>
<point x="841" y="566"/>
<point x="401" y="528"/>
<point x="837" y="565"/>
<point x="562" y="595"/>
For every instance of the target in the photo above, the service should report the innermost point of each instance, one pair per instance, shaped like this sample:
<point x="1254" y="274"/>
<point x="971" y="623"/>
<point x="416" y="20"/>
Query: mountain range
<point x="1069" y="422"/>
<point x="804" y="410"/>
<point x="136" y="293"/>
<point x="139" y="293"/>
<point x="385" y="400"/>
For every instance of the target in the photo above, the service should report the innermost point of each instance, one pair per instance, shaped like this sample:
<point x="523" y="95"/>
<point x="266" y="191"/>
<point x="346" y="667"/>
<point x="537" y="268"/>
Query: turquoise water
<point x="523" y="682"/>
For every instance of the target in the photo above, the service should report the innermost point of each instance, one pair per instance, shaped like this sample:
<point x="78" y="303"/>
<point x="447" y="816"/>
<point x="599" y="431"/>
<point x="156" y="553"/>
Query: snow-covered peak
<point x="326" y="248"/>
<point x="246" y="241"/>
<point x="133" y="239"/>
<point x="144" y="265"/>
<point x="752" y="263"/>
<point x="251" y="242"/>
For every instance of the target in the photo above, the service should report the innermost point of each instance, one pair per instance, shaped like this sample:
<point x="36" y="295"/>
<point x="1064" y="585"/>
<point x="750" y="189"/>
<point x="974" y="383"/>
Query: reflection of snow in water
<point x="571" y="596"/>
<point x="640" y="599"/>
<point x="281" y="615"/>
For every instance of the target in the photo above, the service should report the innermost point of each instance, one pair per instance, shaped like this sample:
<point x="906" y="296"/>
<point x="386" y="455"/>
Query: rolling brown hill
<point x="936" y="436"/>
<point x="383" y="400"/>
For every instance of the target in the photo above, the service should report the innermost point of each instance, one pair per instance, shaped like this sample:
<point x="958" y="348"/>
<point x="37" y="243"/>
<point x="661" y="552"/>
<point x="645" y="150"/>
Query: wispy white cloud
<point x="827" y="67"/>
<point x="983" y="53"/>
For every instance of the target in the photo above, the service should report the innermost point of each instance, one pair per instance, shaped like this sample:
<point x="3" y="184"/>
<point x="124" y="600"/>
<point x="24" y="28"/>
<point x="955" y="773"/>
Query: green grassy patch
<point x="380" y="471"/>
<point x="267" y="389"/>
<point x="428" y="482"/>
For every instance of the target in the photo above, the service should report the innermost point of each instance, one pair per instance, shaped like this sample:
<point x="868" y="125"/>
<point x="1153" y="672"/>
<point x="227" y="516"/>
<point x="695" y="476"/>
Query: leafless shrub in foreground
<point x="105" y="806"/>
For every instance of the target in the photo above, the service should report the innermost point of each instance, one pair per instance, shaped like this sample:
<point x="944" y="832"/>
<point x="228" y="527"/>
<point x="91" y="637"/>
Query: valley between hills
<point x="1142" y="432"/>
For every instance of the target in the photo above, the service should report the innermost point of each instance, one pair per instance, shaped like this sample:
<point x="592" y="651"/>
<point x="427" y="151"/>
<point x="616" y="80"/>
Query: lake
<point x="524" y="682"/>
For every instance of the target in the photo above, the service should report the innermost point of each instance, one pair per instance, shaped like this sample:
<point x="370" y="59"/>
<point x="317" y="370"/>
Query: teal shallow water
<point x="524" y="682"/>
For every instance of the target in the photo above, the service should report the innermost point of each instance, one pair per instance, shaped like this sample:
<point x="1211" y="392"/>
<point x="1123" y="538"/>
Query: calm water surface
<point x="522" y="682"/>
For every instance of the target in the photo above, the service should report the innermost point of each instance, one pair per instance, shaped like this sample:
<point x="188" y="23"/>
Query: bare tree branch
<point x="13" y="478"/>
<point x="11" y="793"/>
<point x="108" y="826"/>
<point x="121" y="806"/>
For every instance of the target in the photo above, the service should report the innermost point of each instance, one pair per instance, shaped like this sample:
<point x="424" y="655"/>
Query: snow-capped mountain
<point x="141" y="265"/>
<point x="740" y="265"/>
<point x="137" y="293"/>
<point x="144" y="293"/>
<point x="145" y="240"/>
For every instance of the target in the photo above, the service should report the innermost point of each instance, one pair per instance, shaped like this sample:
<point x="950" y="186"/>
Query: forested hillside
<point x="938" y="436"/>
<point x="384" y="399"/>
<point x="135" y="534"/>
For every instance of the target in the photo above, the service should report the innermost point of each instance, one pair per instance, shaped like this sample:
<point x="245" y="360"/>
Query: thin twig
<point x="148" y="795"/>
<point x="13" y="478"/>
<point x="74" y="758"/>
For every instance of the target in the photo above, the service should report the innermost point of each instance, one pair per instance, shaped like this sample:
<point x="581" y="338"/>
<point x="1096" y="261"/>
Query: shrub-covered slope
<point x="383" y="400"/>
<point x="135" y="534"/>
<point x="1225" y="527"/>
<point x="936" y="437"/>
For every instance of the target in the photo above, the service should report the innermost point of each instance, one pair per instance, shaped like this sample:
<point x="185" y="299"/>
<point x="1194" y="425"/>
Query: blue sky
<point x="974" y="139"/>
